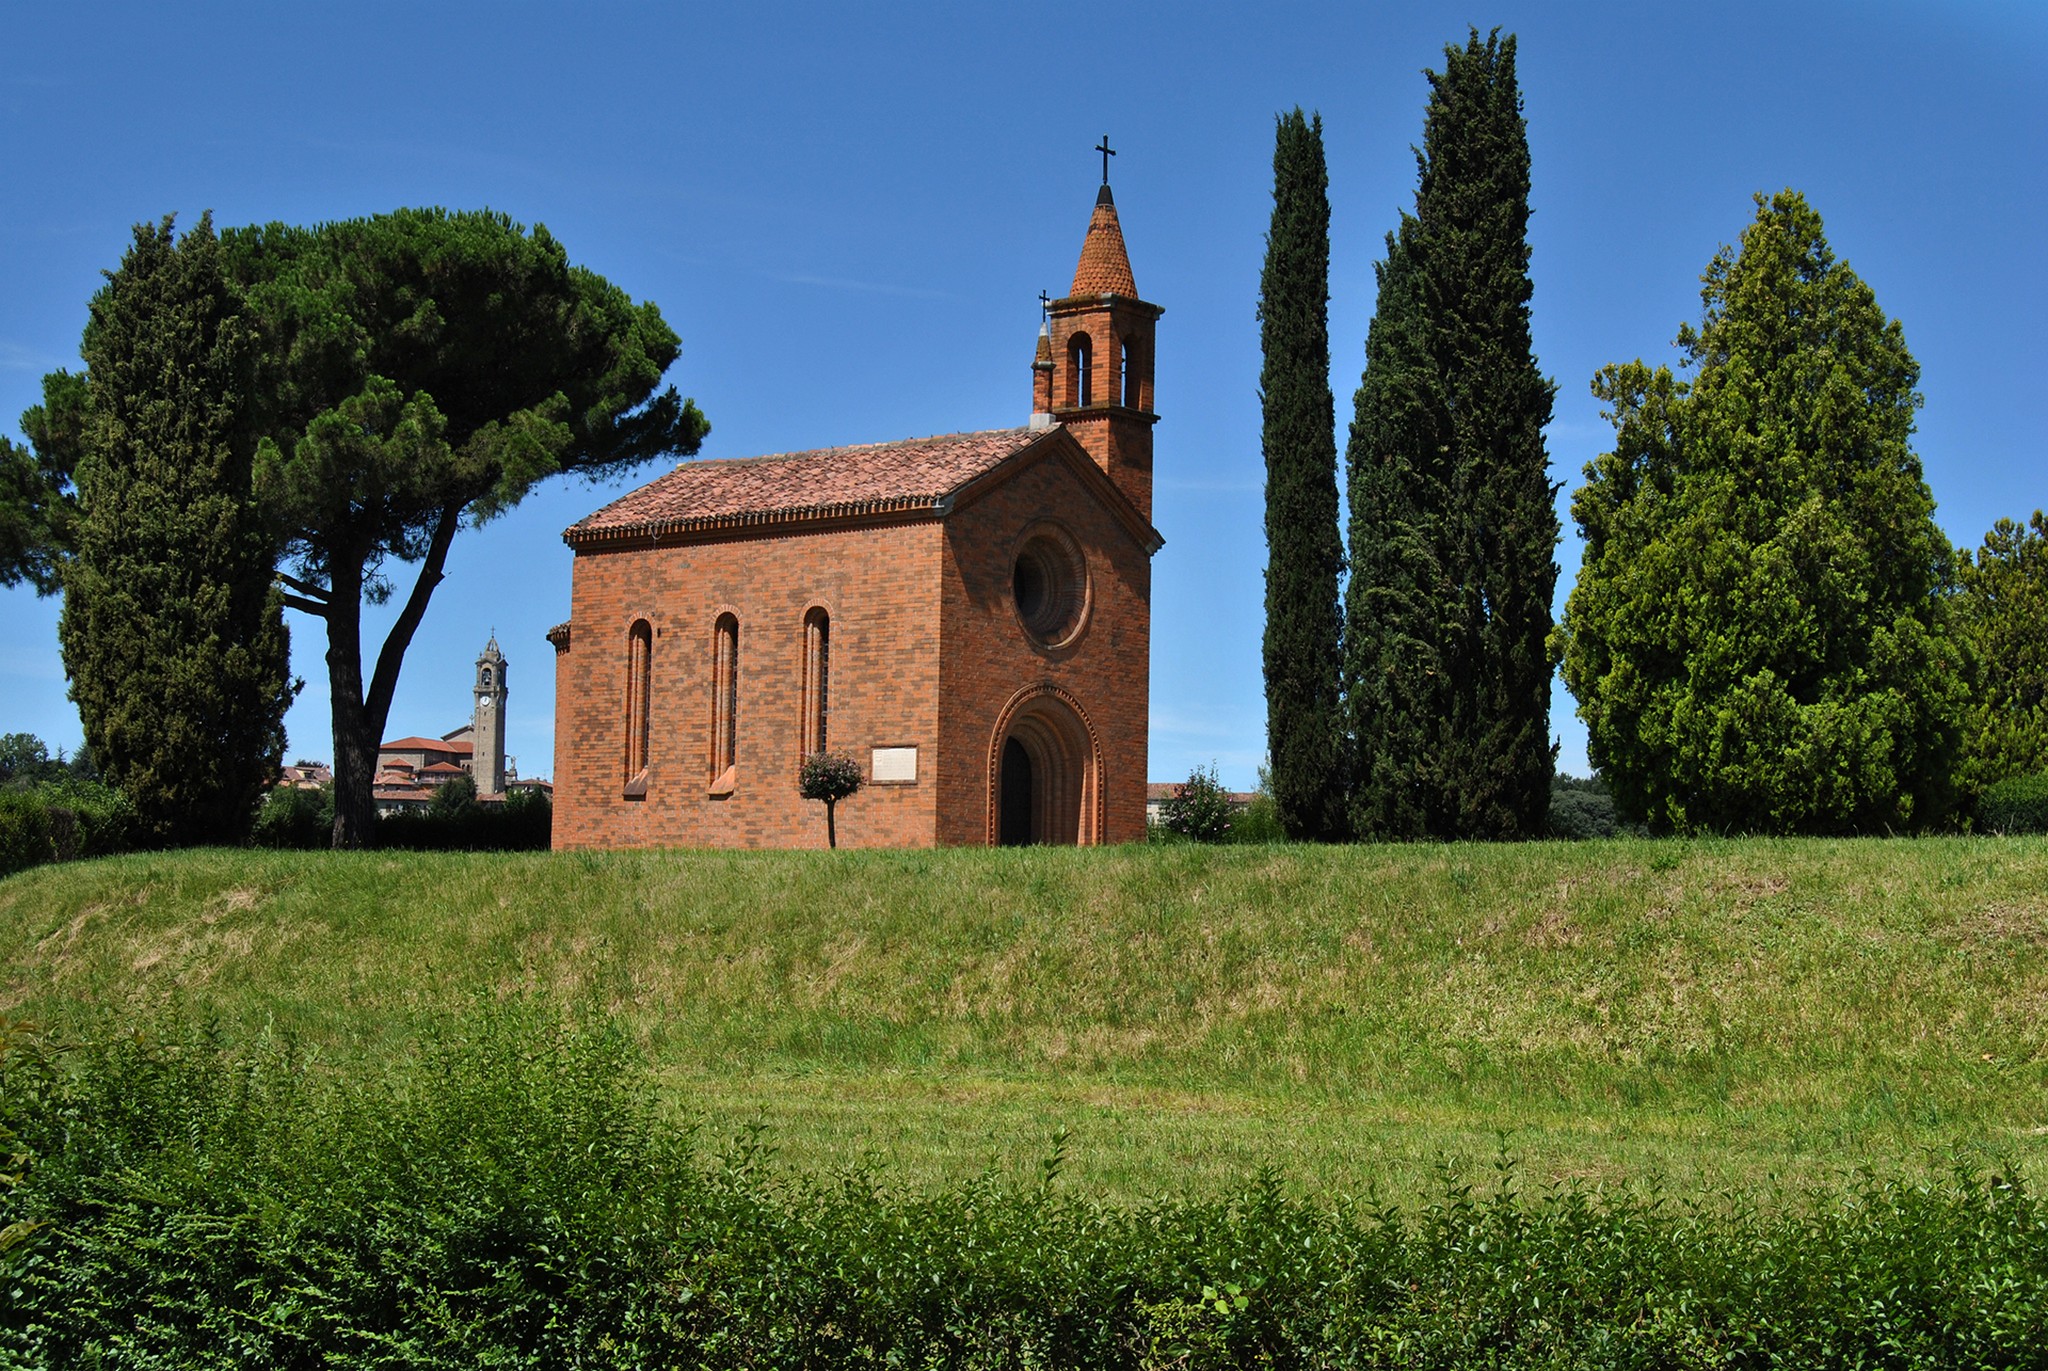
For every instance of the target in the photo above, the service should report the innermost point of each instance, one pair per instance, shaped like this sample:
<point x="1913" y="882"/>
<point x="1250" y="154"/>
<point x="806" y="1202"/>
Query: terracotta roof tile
<point x="417" y="744"/>
<point x="1105" y="268"/>
<point x="841" y="482"/>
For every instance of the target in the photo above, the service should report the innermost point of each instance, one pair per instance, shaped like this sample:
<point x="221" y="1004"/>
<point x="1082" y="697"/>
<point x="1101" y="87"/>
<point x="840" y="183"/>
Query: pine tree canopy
<point x="410" y="372"/>
<point x="172" y="631"/>
<point x="38" y="502"/>
<point x="1305" y="558"/>
<point x="1759" y="638"/>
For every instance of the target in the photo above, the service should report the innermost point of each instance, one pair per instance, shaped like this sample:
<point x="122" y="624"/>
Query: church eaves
<point x="1105" y="267"/>
<point x="916" y="477"/>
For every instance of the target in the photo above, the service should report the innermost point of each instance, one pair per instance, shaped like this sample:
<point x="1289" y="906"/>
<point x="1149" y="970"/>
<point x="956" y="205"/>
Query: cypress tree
<point x="1398" y="604"/>
<point x="1304" y="557"/>
<point x="1474" y="201"/>
<point x="1454" y="530"/>
<point x="173" y="632"/>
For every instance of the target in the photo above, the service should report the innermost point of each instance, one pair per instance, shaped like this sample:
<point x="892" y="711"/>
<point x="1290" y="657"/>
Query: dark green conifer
<point x="1398" y="619"/>
<point x="1454" y="528"/>
<point x="1762" y="637"/>
<point x="1304" y="556"/>
<point x="173" y="633"/>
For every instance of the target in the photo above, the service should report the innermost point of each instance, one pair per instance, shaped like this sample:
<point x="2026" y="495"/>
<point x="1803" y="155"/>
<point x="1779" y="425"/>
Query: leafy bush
<point x="2018" y="804"/>
<point x="296" y="820"/>
<point x="1199" y="808"/>
<point x="63" y="821"/>
<point x="522" y="822"/>
<point x="24" y="832"/>
<point x="1259" y="821"/>
<point x="1581" y="807"/>
<point x="509" y="1195"/>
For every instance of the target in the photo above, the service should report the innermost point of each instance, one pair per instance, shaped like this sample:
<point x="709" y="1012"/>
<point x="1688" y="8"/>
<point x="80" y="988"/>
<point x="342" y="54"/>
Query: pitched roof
<point x="1105" y="268"/>
<point x="914" y="476"/>
<point x="418" y="744"/>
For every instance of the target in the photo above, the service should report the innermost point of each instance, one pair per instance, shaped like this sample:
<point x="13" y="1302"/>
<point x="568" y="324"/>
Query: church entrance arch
<point x="1045" y="772"/>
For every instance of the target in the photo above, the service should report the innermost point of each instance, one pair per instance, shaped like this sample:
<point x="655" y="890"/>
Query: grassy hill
<point x="1717" y="1012"/>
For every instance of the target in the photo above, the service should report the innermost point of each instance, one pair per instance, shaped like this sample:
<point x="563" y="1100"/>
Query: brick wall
<point x="926" y="650"/>
<point x="880" y="587"/>
<point x="989" y="658"/>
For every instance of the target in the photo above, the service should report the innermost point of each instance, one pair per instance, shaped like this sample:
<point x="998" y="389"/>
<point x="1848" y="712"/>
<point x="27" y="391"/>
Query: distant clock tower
<point x="487" y="763"/>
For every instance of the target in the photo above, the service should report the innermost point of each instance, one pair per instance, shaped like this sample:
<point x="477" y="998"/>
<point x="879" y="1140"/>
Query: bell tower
<point x="487" y="761"/>
<point x="1093" y="370"/>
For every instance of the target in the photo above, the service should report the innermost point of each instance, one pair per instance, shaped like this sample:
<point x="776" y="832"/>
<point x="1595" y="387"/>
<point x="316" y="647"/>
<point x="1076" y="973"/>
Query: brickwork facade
<point x="879" y="590"/>
<point x="977" y="607"/>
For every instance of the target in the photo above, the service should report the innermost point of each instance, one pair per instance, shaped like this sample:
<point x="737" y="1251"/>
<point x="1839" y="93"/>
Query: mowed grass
<point x="1718" y="1014"/>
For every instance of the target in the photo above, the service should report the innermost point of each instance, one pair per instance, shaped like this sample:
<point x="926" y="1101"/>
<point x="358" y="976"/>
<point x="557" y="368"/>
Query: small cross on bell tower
<point x="1094" y="366"/>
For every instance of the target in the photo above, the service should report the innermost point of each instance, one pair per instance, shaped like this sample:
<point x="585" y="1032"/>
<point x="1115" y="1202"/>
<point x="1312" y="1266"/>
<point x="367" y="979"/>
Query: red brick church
<point x="969" y="616"/>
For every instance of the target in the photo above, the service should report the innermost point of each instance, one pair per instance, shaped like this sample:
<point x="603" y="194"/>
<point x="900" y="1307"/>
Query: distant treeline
<point x="57" y="810"/>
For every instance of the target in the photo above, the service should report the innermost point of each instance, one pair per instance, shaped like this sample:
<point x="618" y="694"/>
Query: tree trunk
<point x="831" y="833"/>
<point x="355" y="738"/>
<point x="359" y="716"/>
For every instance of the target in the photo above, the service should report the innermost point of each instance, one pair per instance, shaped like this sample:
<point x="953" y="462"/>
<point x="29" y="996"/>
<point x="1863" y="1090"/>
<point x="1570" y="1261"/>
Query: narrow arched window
<point x="639" y="698"/>
<point x="1080" y="375"/>
<point x="1126" y="377"/>
<point x="817" y="696"/>
<point x="1133" y="385"/>
<point x="725" y="704"/>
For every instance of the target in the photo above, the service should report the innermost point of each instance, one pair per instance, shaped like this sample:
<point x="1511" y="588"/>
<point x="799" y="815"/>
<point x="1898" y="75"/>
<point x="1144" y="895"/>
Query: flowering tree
<point x="831" y="777"/>
<point x="1199" y="807"/>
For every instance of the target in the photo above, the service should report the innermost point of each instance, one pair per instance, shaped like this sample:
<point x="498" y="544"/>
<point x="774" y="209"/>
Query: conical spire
<point x="1105" y="268"/>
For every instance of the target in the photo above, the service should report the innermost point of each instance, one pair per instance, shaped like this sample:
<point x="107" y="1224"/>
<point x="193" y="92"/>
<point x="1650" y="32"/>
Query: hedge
<point x="511" y="1196"/>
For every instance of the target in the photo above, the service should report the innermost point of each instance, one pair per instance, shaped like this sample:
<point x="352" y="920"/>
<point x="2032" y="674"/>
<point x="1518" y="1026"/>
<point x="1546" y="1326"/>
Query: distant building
<point x="410" y="770"/>
<point x="306" y="776"/>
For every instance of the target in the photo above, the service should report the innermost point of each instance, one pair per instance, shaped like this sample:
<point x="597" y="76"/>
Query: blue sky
<point x="848" y="212"/>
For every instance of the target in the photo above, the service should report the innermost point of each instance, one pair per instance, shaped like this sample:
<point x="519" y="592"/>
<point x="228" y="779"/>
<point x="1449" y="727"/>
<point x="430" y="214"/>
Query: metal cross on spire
<point x="1044" y="306"/>
<point x="1107" y="152"/>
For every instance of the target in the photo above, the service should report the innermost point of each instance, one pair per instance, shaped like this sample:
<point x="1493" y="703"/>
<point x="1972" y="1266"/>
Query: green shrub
<point x="508" y="1194"/>
<point x="2018" y="804"/>
<point x="296" y="820"/>
<point x="24" y="831"/>
<point x="63" y="821"/>
<point x="102" y="819"/>
<point x="1259" y="821"/>
<point x="522" y="822"/>
<point x="1581" y="807"/>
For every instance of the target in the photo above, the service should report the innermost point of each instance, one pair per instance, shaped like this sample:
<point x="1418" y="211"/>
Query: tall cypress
<point x="1398" y="609"/>
<point x="1448" y="618"/>
<point x="173" y="631"/>
<point x="1304" y="556"/>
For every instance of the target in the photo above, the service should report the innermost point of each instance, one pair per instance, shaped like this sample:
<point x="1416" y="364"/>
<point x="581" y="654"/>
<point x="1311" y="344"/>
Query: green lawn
<point x="1716" y="1012"/>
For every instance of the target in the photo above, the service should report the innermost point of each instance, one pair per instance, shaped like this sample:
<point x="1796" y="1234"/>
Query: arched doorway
<point x="1047" y="783"/>
<point x="1018" y="788"/>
